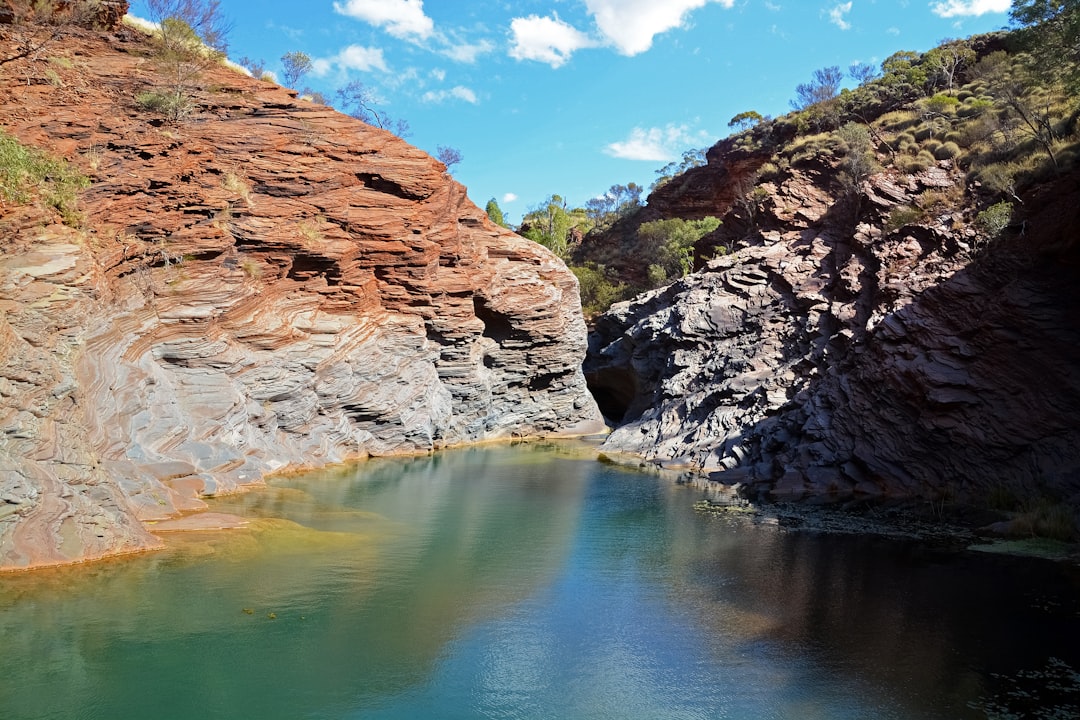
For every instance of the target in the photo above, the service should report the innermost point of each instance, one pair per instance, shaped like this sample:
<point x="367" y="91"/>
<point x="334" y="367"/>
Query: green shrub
<point x="769" y="171"/>
<point x="902" y="216"/>
<point x="947" y="151"/>
<point x="669" y="245"/>
<point x="924" y="133"/>
<point x="974" y="107"/>
<point x="174" y="105"/>
<point x="942" y="104"/>
<point x="914" y="164"/>
<point x="598" y="291"/>
<point x="935" y="199"/>
<point x="657" y="275"/>
<point x="997" y="177"/>
<point x="994" y="219"/>
<point x="26" y="171"/>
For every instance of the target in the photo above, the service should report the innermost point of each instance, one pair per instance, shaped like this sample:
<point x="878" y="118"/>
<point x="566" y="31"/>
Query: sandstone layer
<point x="265" y="285"/>
<point x="832" y="354"/>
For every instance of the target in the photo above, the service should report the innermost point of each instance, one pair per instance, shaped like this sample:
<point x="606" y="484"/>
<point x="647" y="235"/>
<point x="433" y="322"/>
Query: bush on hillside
<point x="26" y="172"/>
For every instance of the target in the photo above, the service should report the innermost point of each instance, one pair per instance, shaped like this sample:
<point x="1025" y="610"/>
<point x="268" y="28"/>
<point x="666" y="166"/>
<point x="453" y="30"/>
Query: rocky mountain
<point x="264" y="285"/>
<point x="867" y="335"/>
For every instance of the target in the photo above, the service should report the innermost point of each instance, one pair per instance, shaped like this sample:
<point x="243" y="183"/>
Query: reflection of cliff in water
<point x="925" y="628"/>
<point x="374" y="570"/>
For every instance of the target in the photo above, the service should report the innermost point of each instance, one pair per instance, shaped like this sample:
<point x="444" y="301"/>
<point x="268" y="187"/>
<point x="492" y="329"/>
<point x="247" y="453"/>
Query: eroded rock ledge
<point x="267" y="285"/>
<point x="831" y="355"/>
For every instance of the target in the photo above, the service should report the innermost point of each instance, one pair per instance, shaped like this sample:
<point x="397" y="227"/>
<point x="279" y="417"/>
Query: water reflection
<point x="522" y="582"/>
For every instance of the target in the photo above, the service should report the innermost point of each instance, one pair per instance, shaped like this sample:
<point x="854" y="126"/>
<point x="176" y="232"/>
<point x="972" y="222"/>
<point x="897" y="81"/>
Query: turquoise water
<point x="529" y="582"/>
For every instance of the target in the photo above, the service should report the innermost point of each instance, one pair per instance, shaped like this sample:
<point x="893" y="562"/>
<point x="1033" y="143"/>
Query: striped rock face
<point x="266" y="285"/>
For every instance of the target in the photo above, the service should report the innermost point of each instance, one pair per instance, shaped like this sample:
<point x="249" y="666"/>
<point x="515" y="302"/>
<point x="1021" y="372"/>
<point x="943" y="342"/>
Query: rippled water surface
<point x="532" y="583"/>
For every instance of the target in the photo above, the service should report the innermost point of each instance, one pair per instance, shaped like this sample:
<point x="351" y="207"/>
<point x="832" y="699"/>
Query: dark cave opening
<point x="497" y="326"/>
<point x="614" y="390"/>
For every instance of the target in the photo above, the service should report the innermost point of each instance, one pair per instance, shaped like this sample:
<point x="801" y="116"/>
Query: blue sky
<point x="573" y="96"/>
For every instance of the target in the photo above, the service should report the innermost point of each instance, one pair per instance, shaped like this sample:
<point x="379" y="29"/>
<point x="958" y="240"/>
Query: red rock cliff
<point x="269" y="284"/>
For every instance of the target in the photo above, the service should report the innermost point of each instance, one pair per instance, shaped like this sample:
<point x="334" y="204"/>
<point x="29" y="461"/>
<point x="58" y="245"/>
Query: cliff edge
<point x="265" y="285"/>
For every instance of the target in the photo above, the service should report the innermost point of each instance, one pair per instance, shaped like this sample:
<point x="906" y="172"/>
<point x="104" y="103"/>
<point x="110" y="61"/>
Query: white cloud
<point x="545" y="39"/>
<point x="357" y="57"/>
<point x="953" y="8"/>
<point x="401" y="18"/>
<point x="439" y="74"/>
<point x="458" y="92"/>
<point x="353" y="57"/>
<point x="836" y="16"/>
<point x="468" y="52"/>
<point x="631" y="25"/>
<point x="509" y="197"/>
<point x="654" y="144"/>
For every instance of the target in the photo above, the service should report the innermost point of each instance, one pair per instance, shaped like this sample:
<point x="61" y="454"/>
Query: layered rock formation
<point x="832" y="354"/>
<point x="268" y="284"/>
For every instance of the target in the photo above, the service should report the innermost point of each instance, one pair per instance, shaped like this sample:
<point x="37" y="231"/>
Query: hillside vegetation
<point x="997" y="113"/>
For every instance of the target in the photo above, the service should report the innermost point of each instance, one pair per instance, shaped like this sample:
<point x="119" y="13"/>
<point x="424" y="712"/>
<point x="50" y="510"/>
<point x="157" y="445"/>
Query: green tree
<point x="745" y="120"/>
<point x="695" y="157"/>
<point x="618" y="202"/>
<point x="598" y="291"/>
<point x="1016" y="89"/>
<point x="191" y="37"/>
<point x="1051" y="29"/>
<point x="202" y="17"/>
<point x="858" y="163"/>
<point x="495" y="213"/>
<point x="904" y="77"/>
<point x="946" y="61"/>
<point x="294" y="65"/>
<point x="549" y="224"/>
<point x="668" y="246"/>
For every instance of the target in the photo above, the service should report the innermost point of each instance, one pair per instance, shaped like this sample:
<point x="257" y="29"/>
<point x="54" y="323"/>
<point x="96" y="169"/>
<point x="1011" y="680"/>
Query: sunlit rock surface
<point x="268" y="284"/>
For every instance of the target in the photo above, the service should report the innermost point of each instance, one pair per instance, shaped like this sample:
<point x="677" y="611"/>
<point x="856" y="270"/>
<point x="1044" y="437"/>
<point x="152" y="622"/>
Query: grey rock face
<point x="832" y="356"/>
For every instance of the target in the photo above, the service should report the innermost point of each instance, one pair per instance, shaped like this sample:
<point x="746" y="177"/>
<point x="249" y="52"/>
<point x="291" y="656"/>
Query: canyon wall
<point x="833" y="354"/>
<point x="264" y="285"/>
